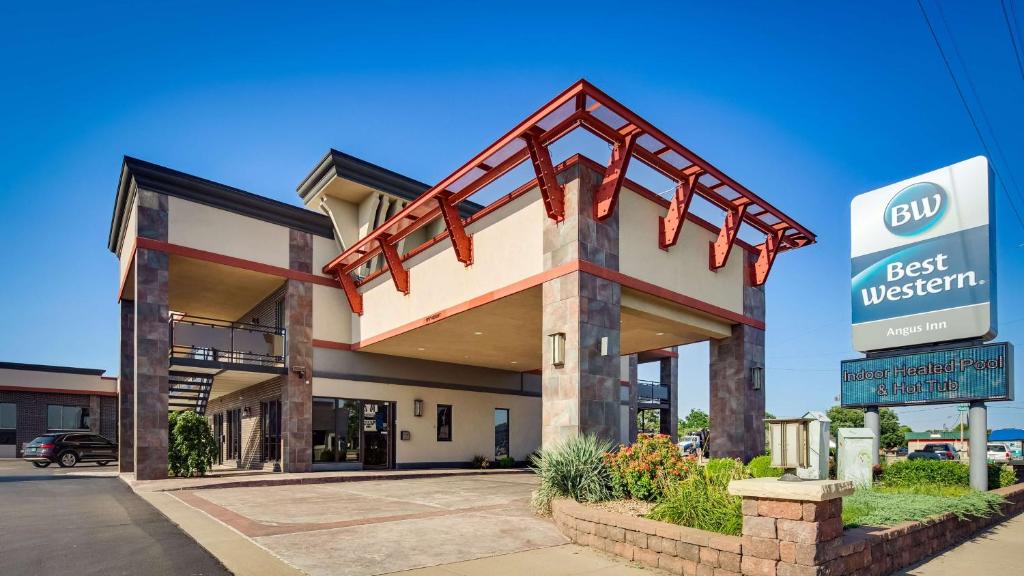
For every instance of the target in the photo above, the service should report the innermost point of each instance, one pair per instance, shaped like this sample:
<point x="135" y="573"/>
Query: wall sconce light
<point x="417" y="408"/>
<point x="757" y="377"/>
<point x="604" y="345"/>
<point x="557" y="348"/>
<point x="247" y="411"/>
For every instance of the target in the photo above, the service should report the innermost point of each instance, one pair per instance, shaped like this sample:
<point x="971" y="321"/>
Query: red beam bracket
<point x="550" y="190"/>
<point x="348" y="284"/>
<point x="462" y="242"/>
<point x="720" y="249"/>
<point x="766" y="257"/>
<point x="671" y="223"/>
<point x="608" y="192"/>
<point x="399" y="274"/>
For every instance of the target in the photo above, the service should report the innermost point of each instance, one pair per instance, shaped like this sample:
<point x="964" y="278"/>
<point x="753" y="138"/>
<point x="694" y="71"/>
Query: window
<point x="444" y="423"/>
<point x="8" y="423"/>
<point x="67" y="417"/>
<point x="500" y="433"/>
<point x="270" y="424"/>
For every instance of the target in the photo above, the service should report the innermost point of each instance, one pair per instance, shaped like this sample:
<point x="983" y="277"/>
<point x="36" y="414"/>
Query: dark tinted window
<point x="444" y="423"/>
<point x="42" y="440"/>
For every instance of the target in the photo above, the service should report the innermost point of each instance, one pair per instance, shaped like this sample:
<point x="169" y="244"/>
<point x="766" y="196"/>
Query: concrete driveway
<point x="85" y="521"/>
<point x="383" y="526"/>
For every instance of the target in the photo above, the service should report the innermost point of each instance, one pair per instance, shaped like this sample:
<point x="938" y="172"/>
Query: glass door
<point x="218" y="433"/>
<point x="377" y="417"/>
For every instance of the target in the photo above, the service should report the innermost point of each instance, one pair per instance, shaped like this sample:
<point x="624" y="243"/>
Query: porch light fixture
<point x="417" y="407"/>
<point x="557" y="348"/>
<point x="757" y="377"/>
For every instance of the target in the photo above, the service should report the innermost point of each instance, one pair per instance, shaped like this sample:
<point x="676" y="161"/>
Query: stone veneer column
<point x="297" y="388"/>
<point x="151" y="341"/>
<point x="668" y="419"/>
<point x="737" y="410"/>
<point x="582" y="396"/>
<point x="634" y="396"/>
<point x="126" y="391"/>
<point x="95" y="413"/>
<point x="791" y="528"/>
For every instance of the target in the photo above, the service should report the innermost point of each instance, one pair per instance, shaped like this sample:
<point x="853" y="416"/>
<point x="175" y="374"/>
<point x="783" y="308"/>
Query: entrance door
<point x="218" y="433"/>
<point x="235" y="434"/>
<point x="270" y="424"/>
<point x="377" y="437"/>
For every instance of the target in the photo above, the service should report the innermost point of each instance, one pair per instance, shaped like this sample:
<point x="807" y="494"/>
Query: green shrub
<point x="702" y="499"/>
<point x="892" y="506"/>
<point x="191" y="447"/>
<point x="761" y="467"/>
<point x="506" y="462"/>
<point x="644" y="470"/>
<point x="574" y="469"/>
<point x="1001" y="476"/>
<point x="918" y="472"/>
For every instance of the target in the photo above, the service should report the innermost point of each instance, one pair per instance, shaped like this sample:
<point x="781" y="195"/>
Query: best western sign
<point x="923" y="259"/>
<point x="983" y="372"/>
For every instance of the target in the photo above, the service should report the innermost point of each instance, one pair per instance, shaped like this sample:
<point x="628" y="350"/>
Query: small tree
<point x="191" y="447"/>
<point x="695" y="420"/>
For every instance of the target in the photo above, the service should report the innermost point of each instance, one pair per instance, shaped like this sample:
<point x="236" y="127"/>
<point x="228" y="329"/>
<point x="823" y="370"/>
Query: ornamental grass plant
<point x="575" y="469"/>
<point x="889" y="506"/>
<point x="702" y="499"/>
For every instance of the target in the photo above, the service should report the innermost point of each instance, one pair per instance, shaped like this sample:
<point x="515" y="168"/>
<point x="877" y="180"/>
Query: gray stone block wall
<point x="151" y="342"/>
<point x="297" y="387"/>
<point x="126" y="390"/>
<point x="582" y="396"/>
<point x="737" y="410"/>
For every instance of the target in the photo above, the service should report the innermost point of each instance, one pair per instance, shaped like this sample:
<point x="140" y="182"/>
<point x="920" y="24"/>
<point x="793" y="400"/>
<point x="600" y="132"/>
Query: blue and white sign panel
<point x="982" y="372"/>
<point x="923" y="258"/>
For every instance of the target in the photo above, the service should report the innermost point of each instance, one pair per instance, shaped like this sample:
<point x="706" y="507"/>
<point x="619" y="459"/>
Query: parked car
<point x="901" y="451"/>
<point x="68" y="449"/>
<point x="924" y="455"/>
<point x="998" y="453"/>
<point x="947" y="451"/>
<point x="689" y="444"/>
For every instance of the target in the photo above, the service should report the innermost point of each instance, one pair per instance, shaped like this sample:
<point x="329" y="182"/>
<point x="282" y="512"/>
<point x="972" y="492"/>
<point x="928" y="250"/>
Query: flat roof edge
<point x="51" y="368"/>
<point x="157" y="178"/>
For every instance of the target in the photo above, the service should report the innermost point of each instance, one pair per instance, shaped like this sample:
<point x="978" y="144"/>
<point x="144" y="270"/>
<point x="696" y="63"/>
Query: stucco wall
<point x="684" y="267"/>
<point x="472" y="419"/>
<point x="56" y="381"/>
<point x="128" y="245"/>
<point x="332" y="317"/>
<point x="506" y="249"/>
<point x="214" y="230"/>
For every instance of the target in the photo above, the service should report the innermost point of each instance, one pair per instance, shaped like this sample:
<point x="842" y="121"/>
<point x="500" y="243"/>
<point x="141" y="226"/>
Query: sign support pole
<point x="873" y="422"/>
<point x="978" y="447"/>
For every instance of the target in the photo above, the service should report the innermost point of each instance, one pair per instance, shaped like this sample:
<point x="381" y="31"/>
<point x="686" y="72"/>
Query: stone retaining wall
<point x="676" y="549"/>
<point x="780" y="538"/>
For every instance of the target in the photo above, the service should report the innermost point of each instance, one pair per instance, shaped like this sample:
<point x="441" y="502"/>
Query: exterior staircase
<point x="189" y="391"/>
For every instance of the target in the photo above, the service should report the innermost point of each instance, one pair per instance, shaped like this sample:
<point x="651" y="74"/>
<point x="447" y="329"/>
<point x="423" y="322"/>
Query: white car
<point x="998" y="453"/>
<point x="689" y="444"/>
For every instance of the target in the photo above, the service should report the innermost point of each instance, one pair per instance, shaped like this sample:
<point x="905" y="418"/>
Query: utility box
<point x="818" y="430"/>
<point x="854" y="458"/>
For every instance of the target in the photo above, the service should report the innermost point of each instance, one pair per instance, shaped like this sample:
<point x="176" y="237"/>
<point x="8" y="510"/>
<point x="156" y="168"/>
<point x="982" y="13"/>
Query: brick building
<point x="36" y="399"/>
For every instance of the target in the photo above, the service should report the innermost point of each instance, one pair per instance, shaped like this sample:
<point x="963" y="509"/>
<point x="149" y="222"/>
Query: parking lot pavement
<point x="85" y="521"/>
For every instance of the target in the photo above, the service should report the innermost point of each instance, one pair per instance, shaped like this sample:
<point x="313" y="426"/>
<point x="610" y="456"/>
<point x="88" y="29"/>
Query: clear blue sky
<point x="807" y="105"/>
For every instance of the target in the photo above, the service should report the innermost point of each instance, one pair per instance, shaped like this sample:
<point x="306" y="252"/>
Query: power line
<point x="967" y="108"/>
<point x="981" y="106"/>
<point x="1013" y="38"/>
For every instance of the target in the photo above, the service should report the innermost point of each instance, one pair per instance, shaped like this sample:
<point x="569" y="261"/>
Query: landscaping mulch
<point x="630" y="507"/>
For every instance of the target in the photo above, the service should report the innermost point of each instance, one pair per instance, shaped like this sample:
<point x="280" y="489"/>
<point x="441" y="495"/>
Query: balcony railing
<point x="650" y="392"/>
<point x="198" y="339"/>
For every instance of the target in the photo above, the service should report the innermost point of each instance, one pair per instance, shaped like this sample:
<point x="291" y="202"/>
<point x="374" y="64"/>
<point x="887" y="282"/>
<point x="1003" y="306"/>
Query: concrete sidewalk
<point x="994" y="551"/>
<point x="252" y="478"/>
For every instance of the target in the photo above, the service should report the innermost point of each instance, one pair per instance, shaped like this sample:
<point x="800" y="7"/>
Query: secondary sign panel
<point x="923" y="259"/>
<point x="982" y="372"/>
